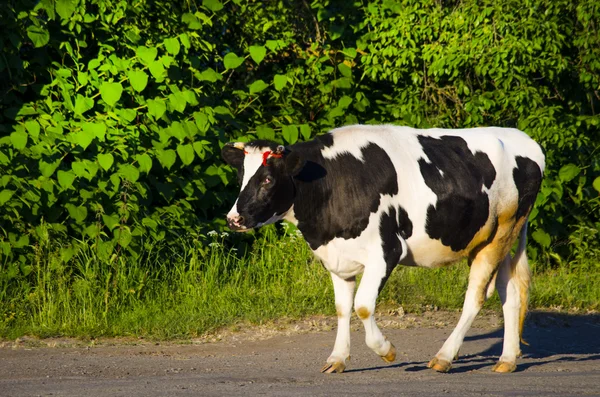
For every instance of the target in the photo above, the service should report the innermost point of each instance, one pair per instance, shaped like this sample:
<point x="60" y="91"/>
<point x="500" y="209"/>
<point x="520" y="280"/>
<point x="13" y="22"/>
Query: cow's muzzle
<point x="236" y="223"/>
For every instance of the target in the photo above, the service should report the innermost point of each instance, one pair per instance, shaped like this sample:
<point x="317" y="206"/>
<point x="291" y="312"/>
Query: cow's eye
<point x="267" y="181"/>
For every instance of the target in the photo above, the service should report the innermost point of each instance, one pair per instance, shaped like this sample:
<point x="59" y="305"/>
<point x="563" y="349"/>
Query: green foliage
<point x="112" y="122"/>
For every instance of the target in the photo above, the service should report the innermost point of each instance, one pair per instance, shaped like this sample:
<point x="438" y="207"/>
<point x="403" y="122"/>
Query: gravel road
<point x="284" y="358"/>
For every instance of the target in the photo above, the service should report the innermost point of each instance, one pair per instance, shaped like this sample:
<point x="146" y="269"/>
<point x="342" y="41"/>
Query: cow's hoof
<point x="390" y="357"/>
<point x="439" y="365"/>
<point x="330" y="368"/>
<point x="504" y="367"/>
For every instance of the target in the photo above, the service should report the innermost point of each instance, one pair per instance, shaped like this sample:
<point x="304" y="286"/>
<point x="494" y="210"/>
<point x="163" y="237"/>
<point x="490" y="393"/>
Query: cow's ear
<point x="294" y="162"/>
<point x="233" y="154"/>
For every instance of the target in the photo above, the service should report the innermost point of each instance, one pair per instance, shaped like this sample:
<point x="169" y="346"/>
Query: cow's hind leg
<point x="364" y="304"/>
<point x="513" y="286"/>
<point x="481" y="274"/>
<point x="344" y="291"/>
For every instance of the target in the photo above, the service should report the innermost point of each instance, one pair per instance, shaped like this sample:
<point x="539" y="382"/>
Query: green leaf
<point x="344" y="102"/>
<point x="82" y="104"/>
<point x="177" y="101"/>
<point x="186" y="153"/>
<point x="149" y="222"/>
<point x="83" y="138"/>
<point x="18" y="139"/>
<point x="192" y="21"/>
<point x="127" y="115"/>
<point x="105" y="250"/>
<point x="185" y="40"/>
<point x="111" y="221"/>
<point x="39" y="36"/>
<point x="145" y="162"/>
<point x="138" y="79"/>
<point x="47" y="169"/>
<point x="166" y="157"/>
<point x="66" y="8"/>
<point x="158" y="71"/>
<point x="199" y="148"/>
<point x="232" y="61"/>
<point x="111" y="92"/>
<point x="201" y="121"/>
<point x="345" y="70"/>
<point x="172" y="46"/>
<point x="280" y="81"/>
<point x="96" y="129"/>
<point x="257" y="53"/>
<point x="305" y="131"/>
<point x="77" y="213"/>
<point x="33" y="128"/>
<point x="65" y="178"/>
<point x="257" y="86"/>
<point x="596" y="184"/>
<point x="209" y="75"/>
<point x="213" y="5"/>
<point x="5" y="195"/>
<point x="265" y="132"/>
<point x="146" y="55"/>
<point x="568" y="172"/>
<point x="290" y="133"/>
<point x="156" y="107"/>
<point x="106" y="160"/>
<point x="67" y="253"/>
<point x="129" y="172"/>
<point x="122" y="236"/>
<point x="21" y="242"/>
<point x="542" y="238"/>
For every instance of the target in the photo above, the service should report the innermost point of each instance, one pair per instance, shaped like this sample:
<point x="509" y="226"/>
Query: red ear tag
<point x="245" y="152"/>
<point x="268" y="154"/>
<point x="265" y="157"/>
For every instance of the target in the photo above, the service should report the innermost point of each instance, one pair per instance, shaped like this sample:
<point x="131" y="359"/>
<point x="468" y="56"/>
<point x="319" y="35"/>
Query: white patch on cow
<point x="252" y="162"/>
<point x="290" y="216"/>
<point x="233" y="212"/>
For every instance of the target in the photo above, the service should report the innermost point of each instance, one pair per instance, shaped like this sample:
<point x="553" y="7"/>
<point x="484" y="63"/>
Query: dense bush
<point x="114" y="112"/>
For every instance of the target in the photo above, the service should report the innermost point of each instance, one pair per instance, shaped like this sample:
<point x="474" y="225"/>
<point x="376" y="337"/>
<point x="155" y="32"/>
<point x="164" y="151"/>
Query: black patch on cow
<point x="528" y="179"/>
<point x="335" y="197"/>
<point x="391" y="224"/>
<point x="462" y="209"/>
<point x="406" y="226"/>
<point x="326" y="140"/>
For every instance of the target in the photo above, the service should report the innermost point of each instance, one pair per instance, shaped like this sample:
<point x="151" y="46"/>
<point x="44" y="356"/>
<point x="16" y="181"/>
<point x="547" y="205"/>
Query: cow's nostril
<point x="240" y="220"/>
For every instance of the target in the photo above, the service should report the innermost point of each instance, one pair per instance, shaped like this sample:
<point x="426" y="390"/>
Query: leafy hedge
<point x="114" y="112"/>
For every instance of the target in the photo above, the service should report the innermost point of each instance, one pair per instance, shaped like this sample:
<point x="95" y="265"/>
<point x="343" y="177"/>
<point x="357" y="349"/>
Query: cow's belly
<point x="425" y="252"/>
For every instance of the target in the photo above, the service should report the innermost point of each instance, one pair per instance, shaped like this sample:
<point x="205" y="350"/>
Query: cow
<point x="369" y="197"/>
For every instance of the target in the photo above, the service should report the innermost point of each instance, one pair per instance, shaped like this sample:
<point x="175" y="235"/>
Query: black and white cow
<point x="367" y="198"/>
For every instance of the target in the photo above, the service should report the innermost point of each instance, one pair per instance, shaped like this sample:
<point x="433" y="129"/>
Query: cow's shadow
<point x="552" y="337"/>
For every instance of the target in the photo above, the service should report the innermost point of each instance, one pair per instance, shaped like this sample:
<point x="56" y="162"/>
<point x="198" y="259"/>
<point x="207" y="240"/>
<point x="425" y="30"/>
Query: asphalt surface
<point x="563" y="359"/>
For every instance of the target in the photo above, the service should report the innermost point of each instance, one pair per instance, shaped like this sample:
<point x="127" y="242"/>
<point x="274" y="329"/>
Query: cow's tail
<point x="522" y="275"/>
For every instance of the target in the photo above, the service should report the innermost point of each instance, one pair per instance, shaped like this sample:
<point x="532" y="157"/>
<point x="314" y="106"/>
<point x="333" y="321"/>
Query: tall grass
<point x="165" y="294"/>
<point x="191" y="289"/>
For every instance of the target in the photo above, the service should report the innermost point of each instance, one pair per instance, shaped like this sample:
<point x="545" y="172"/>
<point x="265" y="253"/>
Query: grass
<point x="190" y="290"/>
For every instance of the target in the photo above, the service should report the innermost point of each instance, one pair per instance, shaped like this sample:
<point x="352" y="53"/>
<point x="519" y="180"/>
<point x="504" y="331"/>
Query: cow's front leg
<point x="344" y="290"/>
<point x="364" y="304"/>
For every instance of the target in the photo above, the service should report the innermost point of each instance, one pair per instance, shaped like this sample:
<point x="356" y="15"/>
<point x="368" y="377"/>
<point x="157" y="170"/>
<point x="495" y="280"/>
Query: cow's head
<point x="265" y="173"/>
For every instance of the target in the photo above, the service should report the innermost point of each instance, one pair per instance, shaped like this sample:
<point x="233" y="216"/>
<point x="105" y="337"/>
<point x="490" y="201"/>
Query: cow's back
<point x="454" y="186"/>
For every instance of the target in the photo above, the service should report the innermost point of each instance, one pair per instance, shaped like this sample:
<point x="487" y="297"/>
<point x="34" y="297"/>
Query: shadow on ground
<point x="552" y="337"/>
